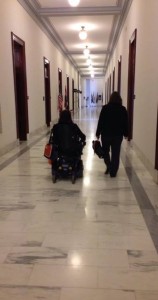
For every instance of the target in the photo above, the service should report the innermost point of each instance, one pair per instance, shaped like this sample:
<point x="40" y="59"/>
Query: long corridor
<point x="96" y="239"/>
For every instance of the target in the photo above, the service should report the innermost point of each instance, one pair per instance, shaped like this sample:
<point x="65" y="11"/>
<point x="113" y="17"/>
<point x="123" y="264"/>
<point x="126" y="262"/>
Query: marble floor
<point x="96" y="239"/>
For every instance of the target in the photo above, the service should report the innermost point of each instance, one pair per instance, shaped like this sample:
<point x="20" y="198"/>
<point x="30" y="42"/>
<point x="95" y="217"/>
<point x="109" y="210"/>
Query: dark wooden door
<point x="108" y="91"/>
<point x="110" y="87"/>
<point x="119" y="75"/>
<point x="105" y="93"/>
<point x="20" y="87"/>
<point x="47" y="91"/>
<point x="113" y="80"/>
<point x="131" y="82"/>
<point x="73" y="94"/>
<point x="60" y="81"/>
<point x="67" y="93"/>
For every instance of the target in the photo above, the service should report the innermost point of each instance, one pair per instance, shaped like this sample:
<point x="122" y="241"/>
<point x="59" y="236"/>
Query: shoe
<point x="106" y="171"/>
<point x="112" y="175"/>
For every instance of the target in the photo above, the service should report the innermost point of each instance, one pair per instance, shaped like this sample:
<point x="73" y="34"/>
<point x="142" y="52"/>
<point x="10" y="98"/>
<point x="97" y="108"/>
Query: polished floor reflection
<point x="92" y="240"/>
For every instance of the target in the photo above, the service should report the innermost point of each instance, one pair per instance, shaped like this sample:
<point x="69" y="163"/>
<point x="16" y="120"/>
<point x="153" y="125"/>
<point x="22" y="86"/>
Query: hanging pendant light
<point x="74" y="2"/>
<point x="86" y="51"/>
<point x="83" y="33"/>
<point x="92" y="73"/>
<point x="89" y="62"/>
<point x="91" y="67"/>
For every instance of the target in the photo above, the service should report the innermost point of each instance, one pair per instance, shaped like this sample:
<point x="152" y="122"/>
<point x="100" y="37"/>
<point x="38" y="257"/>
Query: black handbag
<point x="98" y="150"/>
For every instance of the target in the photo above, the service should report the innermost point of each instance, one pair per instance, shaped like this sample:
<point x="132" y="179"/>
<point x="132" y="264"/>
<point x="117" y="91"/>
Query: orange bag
<point x="48" y="150"/>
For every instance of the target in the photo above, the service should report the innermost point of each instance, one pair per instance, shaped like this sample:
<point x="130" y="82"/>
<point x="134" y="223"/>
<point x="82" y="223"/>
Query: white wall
<point x="13" y="18"/>
<point x="143" y="16"/>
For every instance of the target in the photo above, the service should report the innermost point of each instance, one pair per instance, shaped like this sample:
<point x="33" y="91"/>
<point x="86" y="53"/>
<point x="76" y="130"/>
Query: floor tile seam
<point x="21" y="151"/>
<point x="135" y="181"/>
<point x="28" y="286"/>
<point x="142" y="198"/>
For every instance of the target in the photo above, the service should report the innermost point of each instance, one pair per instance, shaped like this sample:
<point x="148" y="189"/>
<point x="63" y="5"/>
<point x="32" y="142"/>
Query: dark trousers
<point x="113" y="145"/>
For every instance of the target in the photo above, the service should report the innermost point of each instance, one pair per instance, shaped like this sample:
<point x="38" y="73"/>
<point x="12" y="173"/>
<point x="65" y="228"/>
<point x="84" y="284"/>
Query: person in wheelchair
<point x="67" y="136"/>
<point x="69" y="141"/>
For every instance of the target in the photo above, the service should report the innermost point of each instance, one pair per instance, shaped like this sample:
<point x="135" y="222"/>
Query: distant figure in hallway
<point x="112" y="127"/>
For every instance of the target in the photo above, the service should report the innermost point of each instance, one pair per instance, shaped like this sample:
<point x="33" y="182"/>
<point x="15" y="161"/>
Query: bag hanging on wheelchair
<point x="48" y="150"/>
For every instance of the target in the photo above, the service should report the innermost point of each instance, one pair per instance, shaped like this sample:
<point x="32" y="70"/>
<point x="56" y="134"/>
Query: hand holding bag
<point x="96" y="145"/>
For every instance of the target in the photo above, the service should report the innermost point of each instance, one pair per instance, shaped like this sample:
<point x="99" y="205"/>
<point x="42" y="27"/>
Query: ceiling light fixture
<point x="91" y="68"/>
<point x="89" y="61"/>
<point x="86" y="51"/>
<point x="74" y="2"/>
<point x="83" y="33"/>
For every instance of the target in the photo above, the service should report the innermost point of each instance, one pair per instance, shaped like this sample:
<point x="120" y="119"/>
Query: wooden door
<point x="73" y="94"/>
<point x="47" y="91"/>
<point x="20" y="87"/>
<point x="113" y="80"/>
<point x="67" y="105"/>
<point x="110" y="87"/>
<point x="119" y="75"/>
<point x="60" y="81"/>
<point x="131" y="82"/>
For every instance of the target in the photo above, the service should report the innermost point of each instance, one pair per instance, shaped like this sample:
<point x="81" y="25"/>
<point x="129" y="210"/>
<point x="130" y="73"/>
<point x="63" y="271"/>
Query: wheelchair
<point x="68" y="164"/>
<point x="66" y="157"/>
<point x="65" y="166"/>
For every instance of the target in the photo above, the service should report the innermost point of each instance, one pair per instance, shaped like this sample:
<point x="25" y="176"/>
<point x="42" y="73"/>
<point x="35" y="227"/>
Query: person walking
<point x="112" y="127"/>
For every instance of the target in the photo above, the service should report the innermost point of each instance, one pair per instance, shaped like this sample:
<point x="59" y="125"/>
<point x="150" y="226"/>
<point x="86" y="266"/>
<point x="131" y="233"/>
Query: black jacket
<point x="67" y="136"/>
<point x="113" y="121"/>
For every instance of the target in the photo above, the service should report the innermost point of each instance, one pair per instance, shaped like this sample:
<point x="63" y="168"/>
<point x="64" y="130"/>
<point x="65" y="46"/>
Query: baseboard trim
<point x="146" y="162"/>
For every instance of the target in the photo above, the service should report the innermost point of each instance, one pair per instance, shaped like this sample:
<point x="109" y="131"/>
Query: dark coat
<point x="113" y="121"/>
<point x="68" y="137"/>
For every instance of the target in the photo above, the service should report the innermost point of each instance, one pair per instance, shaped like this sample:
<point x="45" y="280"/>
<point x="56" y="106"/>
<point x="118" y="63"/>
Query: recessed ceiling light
<point x="83" y="33"/>
<point x="74" y="2"/>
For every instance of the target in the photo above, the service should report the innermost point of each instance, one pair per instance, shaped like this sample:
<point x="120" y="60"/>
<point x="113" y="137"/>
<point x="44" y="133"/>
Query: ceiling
<point x="102" y="20"/>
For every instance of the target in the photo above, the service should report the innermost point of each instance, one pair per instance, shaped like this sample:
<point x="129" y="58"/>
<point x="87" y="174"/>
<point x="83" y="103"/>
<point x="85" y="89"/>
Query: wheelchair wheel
<point x="80" y="173"/>
<point x="73" y="178"/>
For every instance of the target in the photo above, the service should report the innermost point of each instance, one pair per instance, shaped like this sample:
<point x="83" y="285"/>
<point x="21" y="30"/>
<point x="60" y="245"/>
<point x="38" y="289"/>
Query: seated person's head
<point x="65" y="116"/>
